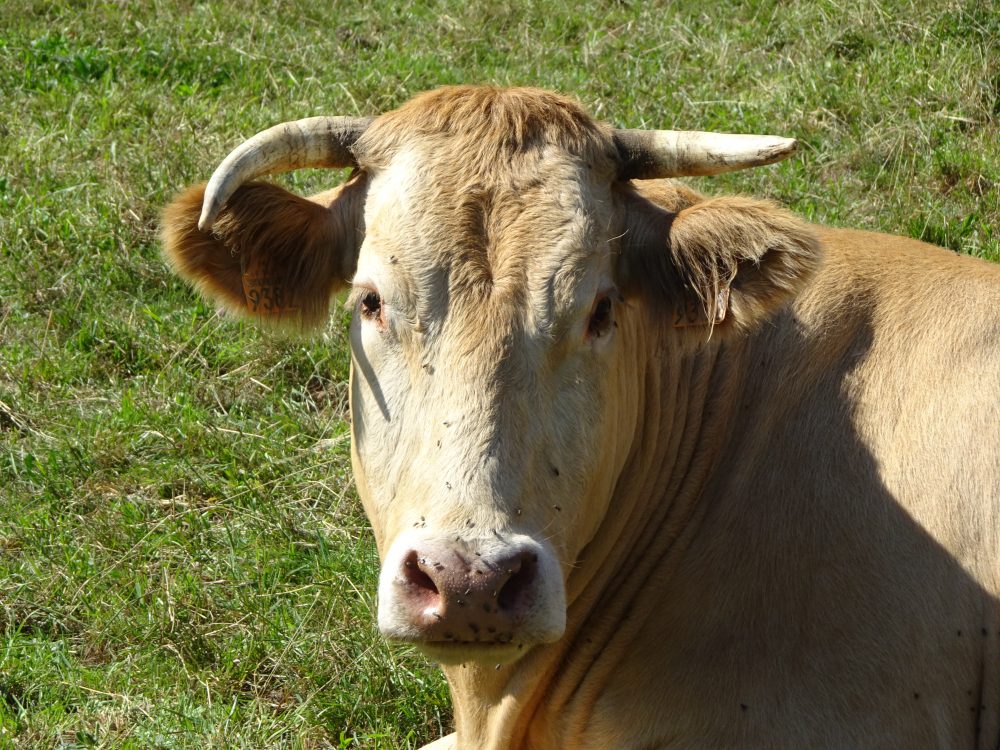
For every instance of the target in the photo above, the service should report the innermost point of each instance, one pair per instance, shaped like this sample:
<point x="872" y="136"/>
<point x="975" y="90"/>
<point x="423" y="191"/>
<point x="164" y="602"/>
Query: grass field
<point x="183" y="560"/>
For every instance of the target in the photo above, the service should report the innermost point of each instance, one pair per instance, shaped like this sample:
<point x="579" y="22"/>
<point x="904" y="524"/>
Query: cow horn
<point x="648" y="154"/>
<point x="312" y="142"/>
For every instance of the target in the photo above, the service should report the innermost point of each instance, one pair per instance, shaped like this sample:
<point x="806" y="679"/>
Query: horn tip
<point x="786" y="146"/>
<point x="778" y="149"/>
<point x="208" y="216"/>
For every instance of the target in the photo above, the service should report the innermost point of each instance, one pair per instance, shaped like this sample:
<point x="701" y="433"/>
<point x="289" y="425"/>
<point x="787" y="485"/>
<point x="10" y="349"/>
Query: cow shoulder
<point x="714" y="263"/>
<point x="271" y="255"/>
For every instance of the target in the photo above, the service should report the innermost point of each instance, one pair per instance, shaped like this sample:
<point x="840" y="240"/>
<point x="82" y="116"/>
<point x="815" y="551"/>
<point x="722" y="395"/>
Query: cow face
<point x="483" y="391"/>
<point x="505" y="280"/>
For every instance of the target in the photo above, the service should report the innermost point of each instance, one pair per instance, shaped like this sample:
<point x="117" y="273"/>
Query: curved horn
<point x="312" y="142"/>
<point x="647" y="154"/>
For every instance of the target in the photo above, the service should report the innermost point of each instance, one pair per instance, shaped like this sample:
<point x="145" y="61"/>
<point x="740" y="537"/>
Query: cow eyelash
<point x="370" y="305"/>
<point x="601" y="318"/>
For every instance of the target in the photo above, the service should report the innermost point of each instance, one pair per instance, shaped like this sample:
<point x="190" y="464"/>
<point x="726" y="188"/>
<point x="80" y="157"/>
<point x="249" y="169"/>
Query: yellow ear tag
<point x="694" y="315"/>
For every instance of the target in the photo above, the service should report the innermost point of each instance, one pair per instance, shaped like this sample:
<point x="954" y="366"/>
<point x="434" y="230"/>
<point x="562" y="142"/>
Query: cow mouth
<point x="484" y="652"/>
<point x="472" y="644"/>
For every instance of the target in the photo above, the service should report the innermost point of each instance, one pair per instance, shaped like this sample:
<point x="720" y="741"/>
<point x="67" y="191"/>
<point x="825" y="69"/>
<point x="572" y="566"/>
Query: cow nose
<point x="453" y="594"/>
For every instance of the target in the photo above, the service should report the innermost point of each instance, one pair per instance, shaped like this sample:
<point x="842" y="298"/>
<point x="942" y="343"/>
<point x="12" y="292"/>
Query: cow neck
<point x="675" y="434"/>
<point x="659" y="503"/>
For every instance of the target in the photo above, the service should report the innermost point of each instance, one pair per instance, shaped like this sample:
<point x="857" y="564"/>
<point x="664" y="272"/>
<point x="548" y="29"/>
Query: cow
<point x="646" y="469"/>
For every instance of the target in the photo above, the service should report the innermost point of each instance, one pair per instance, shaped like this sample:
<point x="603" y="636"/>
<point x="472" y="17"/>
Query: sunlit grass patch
<point x="183" y="560"/>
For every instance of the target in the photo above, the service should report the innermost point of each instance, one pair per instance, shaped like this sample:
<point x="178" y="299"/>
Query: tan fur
<point x="490" y="124"/>
<point x="784" y="535"/>
<point x="686" y="256"/>
<point x="298" y="251"/>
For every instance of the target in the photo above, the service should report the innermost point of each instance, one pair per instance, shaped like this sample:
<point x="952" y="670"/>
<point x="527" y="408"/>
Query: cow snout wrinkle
<point x="453" y="596"/>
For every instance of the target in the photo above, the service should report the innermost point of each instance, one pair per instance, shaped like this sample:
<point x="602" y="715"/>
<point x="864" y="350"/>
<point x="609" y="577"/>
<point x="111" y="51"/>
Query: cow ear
<point x="271" y="255"/>
<point x="719" y="265"/>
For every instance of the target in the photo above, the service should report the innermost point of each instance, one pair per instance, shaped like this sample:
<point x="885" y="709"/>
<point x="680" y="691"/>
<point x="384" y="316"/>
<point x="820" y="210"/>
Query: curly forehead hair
<point x="488" y="122"/>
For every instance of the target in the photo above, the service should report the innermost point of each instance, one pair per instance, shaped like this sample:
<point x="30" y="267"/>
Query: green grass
<point x="183" y="560"/>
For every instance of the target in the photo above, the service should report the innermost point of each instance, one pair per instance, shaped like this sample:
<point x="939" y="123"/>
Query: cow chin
<point x="471" y="599"/>
<point x="451" y="654"/>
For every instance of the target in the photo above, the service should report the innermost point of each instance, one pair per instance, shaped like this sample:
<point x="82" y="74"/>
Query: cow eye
<point x="600" y="318"/>
<point x="370" y="305"/>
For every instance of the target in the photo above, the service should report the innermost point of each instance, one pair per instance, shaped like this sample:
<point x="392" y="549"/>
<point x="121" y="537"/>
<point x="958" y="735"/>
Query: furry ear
<point x="271" y="255"/>
<point x="719" y="264"/>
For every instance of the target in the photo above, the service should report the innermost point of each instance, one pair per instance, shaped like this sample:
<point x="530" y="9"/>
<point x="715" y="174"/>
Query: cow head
<point x="505" y="275"/>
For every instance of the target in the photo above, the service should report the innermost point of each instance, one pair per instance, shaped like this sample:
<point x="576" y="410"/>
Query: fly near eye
<point x="370" y="305"/>
<point x="600" y="318"/>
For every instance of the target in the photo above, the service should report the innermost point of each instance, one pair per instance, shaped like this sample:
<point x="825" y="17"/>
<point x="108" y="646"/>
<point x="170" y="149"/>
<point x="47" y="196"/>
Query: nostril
<point x="415" y="576"/>
<point x="513" y="593"/>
